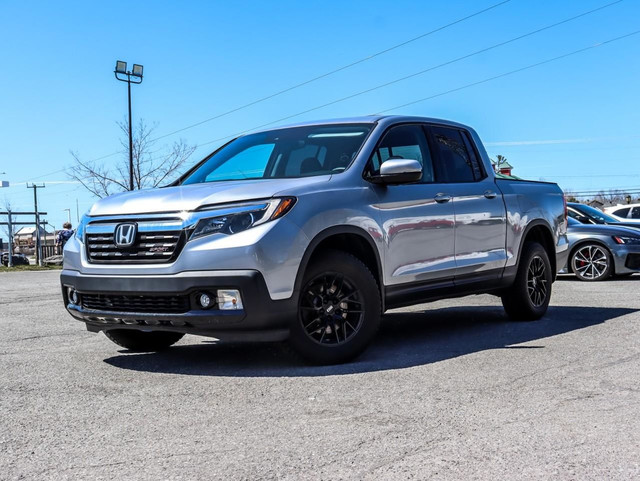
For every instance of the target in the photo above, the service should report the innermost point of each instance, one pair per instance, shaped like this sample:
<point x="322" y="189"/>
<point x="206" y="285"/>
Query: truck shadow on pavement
<point x="405" y="339"/>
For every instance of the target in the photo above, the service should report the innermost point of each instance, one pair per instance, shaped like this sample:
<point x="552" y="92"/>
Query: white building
<point x="26" y="237"/>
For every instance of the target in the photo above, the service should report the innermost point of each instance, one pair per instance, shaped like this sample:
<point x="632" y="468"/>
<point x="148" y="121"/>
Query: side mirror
<point x="398" y="171"/>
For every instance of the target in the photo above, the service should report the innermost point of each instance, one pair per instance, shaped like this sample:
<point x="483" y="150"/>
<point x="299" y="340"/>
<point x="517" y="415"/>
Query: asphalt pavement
<point x="449" y="390"/>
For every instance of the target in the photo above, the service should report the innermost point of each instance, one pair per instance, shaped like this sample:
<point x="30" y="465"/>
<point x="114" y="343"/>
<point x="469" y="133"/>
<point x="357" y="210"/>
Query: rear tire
<point x="528" y="298"/>
<point x="143" y="341"/>
<point x="339" y="310"/>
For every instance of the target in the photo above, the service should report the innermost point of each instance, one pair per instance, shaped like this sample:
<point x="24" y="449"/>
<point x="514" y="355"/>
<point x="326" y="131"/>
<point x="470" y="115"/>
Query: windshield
<point x="599" y="216"/>
<point x="284" y="153"/>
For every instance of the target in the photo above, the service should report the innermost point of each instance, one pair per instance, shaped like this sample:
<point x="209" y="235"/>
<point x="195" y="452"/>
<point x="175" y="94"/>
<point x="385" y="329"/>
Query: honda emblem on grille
<point x="125" y="235"/>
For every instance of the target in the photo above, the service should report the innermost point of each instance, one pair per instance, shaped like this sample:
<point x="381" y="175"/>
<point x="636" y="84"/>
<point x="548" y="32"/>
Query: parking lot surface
<point x="449" y="390"/>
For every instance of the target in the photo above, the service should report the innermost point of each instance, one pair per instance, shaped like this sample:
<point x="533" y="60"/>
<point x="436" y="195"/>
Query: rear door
<point x="480" y="215"/>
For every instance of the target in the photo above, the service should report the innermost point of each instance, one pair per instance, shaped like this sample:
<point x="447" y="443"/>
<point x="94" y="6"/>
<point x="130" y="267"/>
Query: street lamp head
<point x="121" y="67"/>
<point x="137" y="70"/>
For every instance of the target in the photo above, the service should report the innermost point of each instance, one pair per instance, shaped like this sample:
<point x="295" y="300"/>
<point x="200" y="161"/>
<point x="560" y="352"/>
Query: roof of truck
<point x="369" y="119"/>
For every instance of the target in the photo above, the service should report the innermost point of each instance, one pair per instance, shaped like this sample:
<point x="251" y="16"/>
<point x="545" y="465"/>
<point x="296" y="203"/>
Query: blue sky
<point x="574" y="121"/>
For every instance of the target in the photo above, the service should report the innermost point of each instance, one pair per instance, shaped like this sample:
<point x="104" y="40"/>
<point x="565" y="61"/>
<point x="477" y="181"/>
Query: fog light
<point x="73" y="296"/>
<point x="229" y="299"/>
<point x="204" y="300"/>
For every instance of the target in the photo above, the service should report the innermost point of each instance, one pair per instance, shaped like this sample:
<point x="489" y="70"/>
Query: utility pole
<point x="37" y="215"/>
<point x="10" y="223"/>
<point x="10" y="227"/>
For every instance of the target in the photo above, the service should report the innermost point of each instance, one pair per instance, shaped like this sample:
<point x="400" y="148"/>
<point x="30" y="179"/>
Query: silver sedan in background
<point x="597" y="252"/>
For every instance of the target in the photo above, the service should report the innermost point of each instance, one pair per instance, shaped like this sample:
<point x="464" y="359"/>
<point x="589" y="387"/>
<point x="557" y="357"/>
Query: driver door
<point x="418" y="223"/>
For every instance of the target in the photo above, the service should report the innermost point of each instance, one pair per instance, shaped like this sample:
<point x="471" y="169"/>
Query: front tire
<point x="591" y="263"/>
<point x="528" y="298"/>
<point x="143" y="341"/>
<point x="338" y="310"/>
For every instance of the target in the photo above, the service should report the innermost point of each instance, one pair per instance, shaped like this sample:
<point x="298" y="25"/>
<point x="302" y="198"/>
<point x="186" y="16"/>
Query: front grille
<point x="132" y="303"/>
<point x="155" y="246"/>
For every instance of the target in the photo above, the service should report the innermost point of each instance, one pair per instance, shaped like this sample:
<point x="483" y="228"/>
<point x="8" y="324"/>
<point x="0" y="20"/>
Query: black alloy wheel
<point x="537" y="281"/>
<point x="339" y="309"/>
<point x="331" y="309"/>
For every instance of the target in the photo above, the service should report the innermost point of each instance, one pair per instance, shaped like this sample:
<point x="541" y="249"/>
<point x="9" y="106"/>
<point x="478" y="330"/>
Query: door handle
<point x="442" y="198"/>
<point x="489" y="194"/>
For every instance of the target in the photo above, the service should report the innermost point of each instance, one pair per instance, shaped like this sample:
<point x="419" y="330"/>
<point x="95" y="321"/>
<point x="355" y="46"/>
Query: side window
<point x="476" y="163"/>
<point x="403" y="142"/>
<point x="621" y="212"/>
<point x="453" y="162"/>
<point x="579" y="216"/>
<point x="635" y="213"/>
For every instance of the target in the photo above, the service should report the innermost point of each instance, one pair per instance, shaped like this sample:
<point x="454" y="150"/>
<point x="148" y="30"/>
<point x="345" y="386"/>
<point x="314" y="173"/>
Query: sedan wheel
<point x="591" y="262"/>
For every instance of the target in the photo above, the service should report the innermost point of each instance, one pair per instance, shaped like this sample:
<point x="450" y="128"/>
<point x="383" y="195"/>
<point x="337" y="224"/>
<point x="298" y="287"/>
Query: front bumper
<point x="627" y="259"/>
<point x="260" y="319"/>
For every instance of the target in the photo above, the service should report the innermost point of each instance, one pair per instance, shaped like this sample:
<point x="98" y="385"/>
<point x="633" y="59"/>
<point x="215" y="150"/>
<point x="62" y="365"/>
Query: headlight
<point x="242" y="217"/>
<point x="626" y="239"/>
<point x="80" y="228"/>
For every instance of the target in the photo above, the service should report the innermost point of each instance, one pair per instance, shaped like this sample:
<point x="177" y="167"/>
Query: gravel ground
<point x="449" y="390"/>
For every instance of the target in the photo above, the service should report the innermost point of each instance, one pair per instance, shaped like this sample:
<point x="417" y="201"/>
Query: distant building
<point x="26" y="237"/>
<point x="598" y="204"/>
<point x="505" y="168"/>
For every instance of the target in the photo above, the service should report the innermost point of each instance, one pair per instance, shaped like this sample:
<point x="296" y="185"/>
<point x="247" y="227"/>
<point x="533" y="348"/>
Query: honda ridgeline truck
<point x="309" y="233"/>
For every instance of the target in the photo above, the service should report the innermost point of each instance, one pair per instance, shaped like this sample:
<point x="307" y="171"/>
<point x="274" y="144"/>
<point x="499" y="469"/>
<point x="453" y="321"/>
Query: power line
<point x="339" y="69"/>
<point x="593" y="175"/>
<point x="321" y="76"/>
<point x="43" y="175"/>
<point x="402" y="78"/>
<point x="421" y="72"/>
<point x="537" y="64"/>
<point x="575" y="52"/>
<point x="625" y="189"/>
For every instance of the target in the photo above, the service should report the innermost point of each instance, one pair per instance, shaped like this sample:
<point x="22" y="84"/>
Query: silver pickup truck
<point x="309" y="233"/>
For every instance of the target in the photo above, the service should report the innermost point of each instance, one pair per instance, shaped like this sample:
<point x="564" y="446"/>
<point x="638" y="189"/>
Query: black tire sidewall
<point x="516" y="300"/>
<point x="360" y="276"/>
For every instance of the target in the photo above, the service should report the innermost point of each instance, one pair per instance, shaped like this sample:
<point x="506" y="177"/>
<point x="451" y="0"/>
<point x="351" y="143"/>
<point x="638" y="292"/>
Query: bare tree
<point x="612" y="196"/>
<point x="570" y="196"/>
<point x="5" y="228"/>
<point x="150" y="168"/>
<point x="498" y="162"/>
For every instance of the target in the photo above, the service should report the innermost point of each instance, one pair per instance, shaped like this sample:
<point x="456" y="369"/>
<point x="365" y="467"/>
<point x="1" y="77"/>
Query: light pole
<point x="134" y="76"/>
<point x="68" y="211"/>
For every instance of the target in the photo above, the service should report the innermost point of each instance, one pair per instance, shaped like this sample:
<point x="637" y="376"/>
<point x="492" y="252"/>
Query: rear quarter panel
<point x="528" y="203"/>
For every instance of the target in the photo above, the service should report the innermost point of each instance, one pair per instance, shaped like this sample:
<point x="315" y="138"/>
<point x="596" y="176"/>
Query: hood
<point x="191" y="197"/>
<point x="602" y="229"/>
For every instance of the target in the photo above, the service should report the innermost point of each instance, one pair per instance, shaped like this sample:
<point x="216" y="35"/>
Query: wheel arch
<point x="353" y="240"/>
<point x="539" y="231"/>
